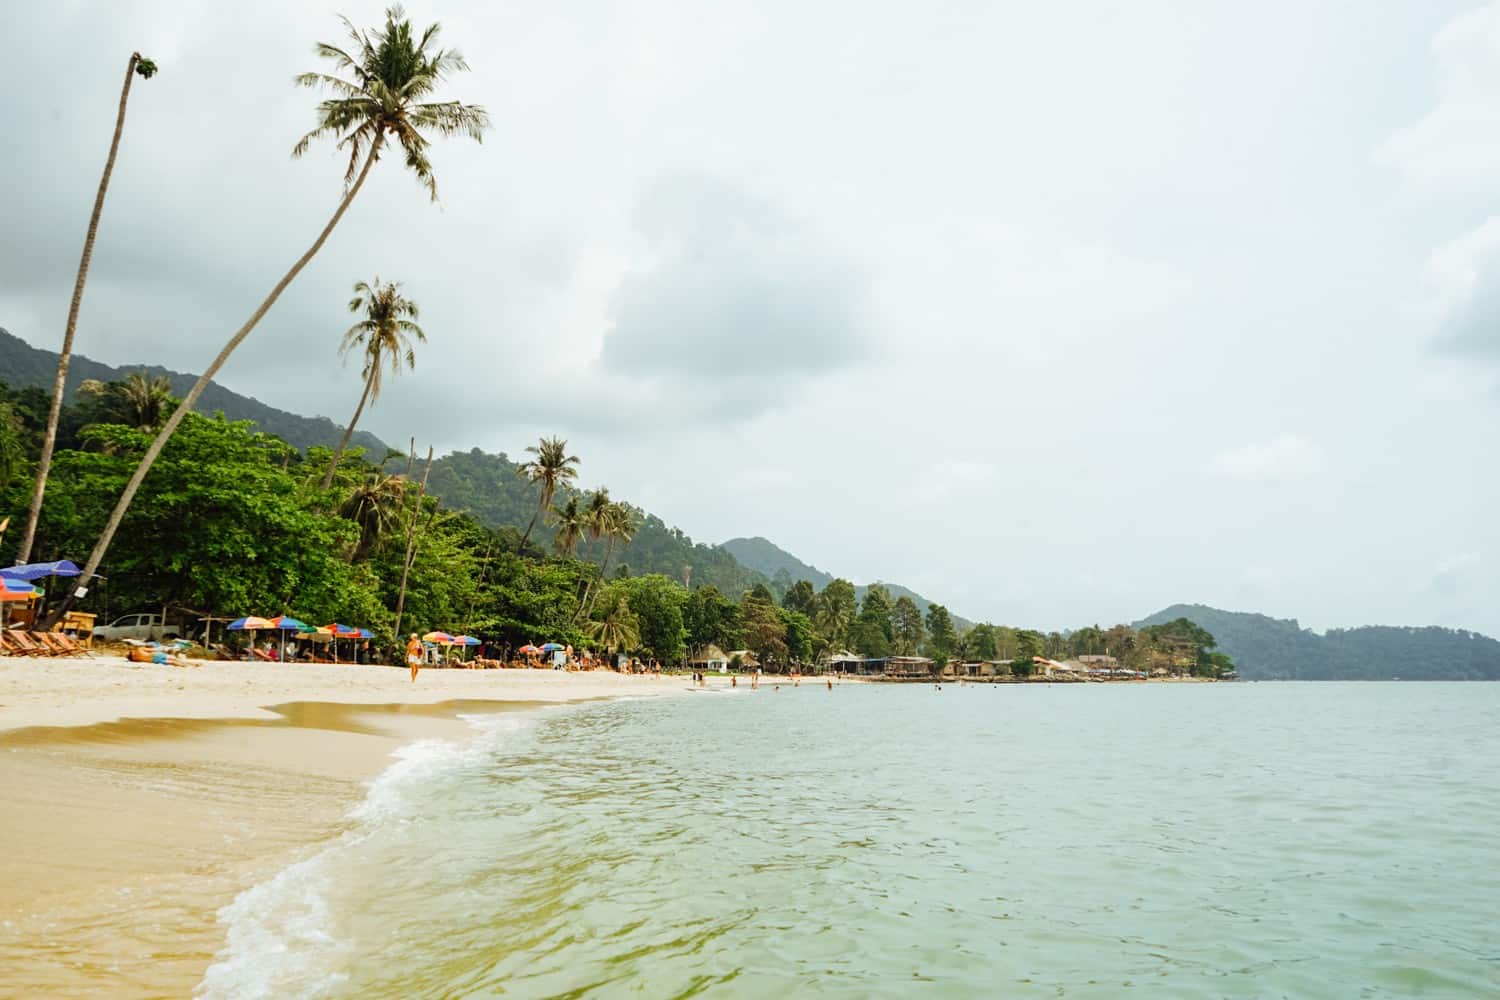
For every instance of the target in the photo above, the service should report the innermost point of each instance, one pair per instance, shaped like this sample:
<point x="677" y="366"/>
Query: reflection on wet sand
<point x="120" y="840"/>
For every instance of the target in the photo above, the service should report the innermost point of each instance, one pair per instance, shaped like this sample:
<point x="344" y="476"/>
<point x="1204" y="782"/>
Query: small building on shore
<point x="709" y="658"/>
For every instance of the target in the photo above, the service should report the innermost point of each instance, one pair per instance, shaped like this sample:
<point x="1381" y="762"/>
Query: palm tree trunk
<point x="59" y="386"/>
<point x="411" y="544"/>
<point x="534" y="515"/>
<point x="609" y="551"/>
<point x="170" y="427"/>
<point x="348" y="431"/>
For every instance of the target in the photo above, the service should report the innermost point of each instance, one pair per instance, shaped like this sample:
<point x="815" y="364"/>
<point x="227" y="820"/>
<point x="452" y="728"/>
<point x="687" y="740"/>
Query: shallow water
<point x="1312" y="840"/>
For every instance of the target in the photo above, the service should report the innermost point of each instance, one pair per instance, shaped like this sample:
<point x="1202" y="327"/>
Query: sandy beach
<point x="142" y="798"/>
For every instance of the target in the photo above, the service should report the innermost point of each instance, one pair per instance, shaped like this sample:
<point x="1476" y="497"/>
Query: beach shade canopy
<point x="465" y="640"/>
<point x="317" y="634"/>
<point x="442" y="638"/>
<point x="286" y="623"/>
<point x="35" y="571"/>
<point x="553" y="647"/>
<point x="365" y="633"/>
<point x="250" y="623"/>
<point x="15" y="590"/>
<point x="344" y="631"/>
<point x="528" y="649"/>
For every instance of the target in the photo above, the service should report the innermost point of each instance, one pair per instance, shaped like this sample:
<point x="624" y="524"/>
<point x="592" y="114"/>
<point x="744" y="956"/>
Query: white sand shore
<point x="62" y="692"/>
<point x="121" y="839"/>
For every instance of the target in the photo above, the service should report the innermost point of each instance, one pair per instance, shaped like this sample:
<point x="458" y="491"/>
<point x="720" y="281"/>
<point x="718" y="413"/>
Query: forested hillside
<point x="1280" y="649"/>
<point x="489" y="487"/>
<point x="23" y="366"/>
<point x="785" y="569"/>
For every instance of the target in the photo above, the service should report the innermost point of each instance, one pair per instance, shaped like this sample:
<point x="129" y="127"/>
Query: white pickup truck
<point x="141" y="626"/>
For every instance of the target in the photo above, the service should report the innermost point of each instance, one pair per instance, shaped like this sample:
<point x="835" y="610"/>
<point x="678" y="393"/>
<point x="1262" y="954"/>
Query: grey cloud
<point x="1473" y="327"/>
<point x="733" y="287"/>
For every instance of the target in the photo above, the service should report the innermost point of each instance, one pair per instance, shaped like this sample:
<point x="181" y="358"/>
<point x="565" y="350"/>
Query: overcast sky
<point x="1058" y="313"/>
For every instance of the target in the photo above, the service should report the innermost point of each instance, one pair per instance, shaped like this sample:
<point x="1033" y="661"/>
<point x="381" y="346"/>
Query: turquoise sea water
<point x="1253" y="840"/>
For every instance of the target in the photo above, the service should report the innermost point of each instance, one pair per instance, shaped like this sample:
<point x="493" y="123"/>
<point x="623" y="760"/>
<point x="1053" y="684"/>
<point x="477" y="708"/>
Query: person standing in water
<point x="414" y="655"/>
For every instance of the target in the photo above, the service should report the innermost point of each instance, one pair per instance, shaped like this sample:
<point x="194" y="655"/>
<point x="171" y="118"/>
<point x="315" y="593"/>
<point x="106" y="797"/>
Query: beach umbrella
<point x="35" y="571"/>
<point x="528" y="649"/>
<point x="285" y="624"/>
<point x="465" y="640"/>
<point x="250" y="623"/>
<point x="440" y="638"/>
<point x="552" y="647"/>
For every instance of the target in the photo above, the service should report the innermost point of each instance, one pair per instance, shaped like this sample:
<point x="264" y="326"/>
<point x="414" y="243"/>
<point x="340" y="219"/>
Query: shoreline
<point x="143" y="798"/>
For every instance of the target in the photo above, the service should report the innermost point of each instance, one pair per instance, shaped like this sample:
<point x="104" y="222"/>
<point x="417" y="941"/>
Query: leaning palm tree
<point x="390" y="320"/>
<point x="392" y="74"/>
<point x="147" y="69"/>
<point x="572" y="524"/>
<point x="551" y="468"/>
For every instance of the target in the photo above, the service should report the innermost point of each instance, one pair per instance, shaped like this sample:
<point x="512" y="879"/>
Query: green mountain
<point x="23" y="366"/>
<point x="1279" y="649"/>
<point x="785" y="569"/>
<point x="490" y="488"/>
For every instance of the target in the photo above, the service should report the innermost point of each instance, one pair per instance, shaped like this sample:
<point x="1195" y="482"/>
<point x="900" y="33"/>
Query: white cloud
<point x="1287" y="458"/>
<point x="1457" y="143"/>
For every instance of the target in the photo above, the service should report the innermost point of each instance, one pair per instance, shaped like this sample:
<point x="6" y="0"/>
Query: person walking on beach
<point x="414" y="655"/>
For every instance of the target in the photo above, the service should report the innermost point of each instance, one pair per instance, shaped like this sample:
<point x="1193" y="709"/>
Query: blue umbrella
<point x="553" y="647"/>
<point x="35" y="571"/>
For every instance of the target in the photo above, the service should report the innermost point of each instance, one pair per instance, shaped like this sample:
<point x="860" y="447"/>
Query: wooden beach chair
<point x="48" y="642"/>
<point x="70" y="646"/>
<point x="11" y="645"/>
<point x="24" y="642"/>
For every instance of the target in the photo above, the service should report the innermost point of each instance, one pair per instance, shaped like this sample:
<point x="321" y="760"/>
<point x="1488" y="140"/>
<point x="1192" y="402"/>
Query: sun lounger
<point x="28" y="646"/>
<point x="71" y="646"/>
<point x="48" y="642"/>
<point x="11" y="644"/>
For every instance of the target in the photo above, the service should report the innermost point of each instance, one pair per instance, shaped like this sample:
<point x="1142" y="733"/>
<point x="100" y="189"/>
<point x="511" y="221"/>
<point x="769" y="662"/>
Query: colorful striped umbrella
<point x="250" y="623"/>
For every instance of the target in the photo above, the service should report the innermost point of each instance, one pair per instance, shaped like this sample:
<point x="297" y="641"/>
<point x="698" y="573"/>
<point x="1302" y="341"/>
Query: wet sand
<point x="141" y="799"/>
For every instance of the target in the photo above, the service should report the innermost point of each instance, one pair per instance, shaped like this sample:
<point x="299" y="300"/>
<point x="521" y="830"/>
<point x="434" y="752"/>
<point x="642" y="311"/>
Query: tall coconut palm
<point x="572" y="523"/>
<point x="384" y="334"/>
<point x="550" y="468"/>
<point x="619" y="526"/>
<point x="392" y="73"/>
<point x="146" y="69"/>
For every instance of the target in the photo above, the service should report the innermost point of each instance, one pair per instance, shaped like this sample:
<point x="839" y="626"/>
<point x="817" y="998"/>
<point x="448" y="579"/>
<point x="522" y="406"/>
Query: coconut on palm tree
<point x="551" y="467"/>
<point x="385" y="334"/>
<point x="383" y="98"/>
<point x="146" y="69"/>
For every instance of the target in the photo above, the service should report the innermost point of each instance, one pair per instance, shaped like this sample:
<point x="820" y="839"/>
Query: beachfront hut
<point x="844" y="662"/>
<point x="747" y="659"/>
<point x="905" y="666"/>
<point x="710" y="658"/>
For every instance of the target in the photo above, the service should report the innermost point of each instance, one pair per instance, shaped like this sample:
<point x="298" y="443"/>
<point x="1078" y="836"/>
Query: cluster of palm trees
<point x="380" y="96"/>
<point x="594" y="517"/>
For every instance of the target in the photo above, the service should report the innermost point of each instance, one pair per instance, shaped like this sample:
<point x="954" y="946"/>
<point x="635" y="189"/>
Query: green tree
<point x="393" y="73"/>
<point x="802" y="598"/>
<point x="979" y="642"/>
<point x="835" y="612"/>
<point x="763" y="631"/>
<point x="798" y="631"/>
<point x="906" y="623"/>
<point x="572" y="523"/>
<point x="711" y="619"/>
<point x="146" y="69"/>
<point x="941" y="639"/>
<point x="384" y="335"/>
<point x="1028" y="646"/>
<point x="550" y="468"/>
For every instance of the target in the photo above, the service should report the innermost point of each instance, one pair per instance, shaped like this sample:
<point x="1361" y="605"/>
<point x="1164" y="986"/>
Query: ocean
<point x="1153" y="840"/>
